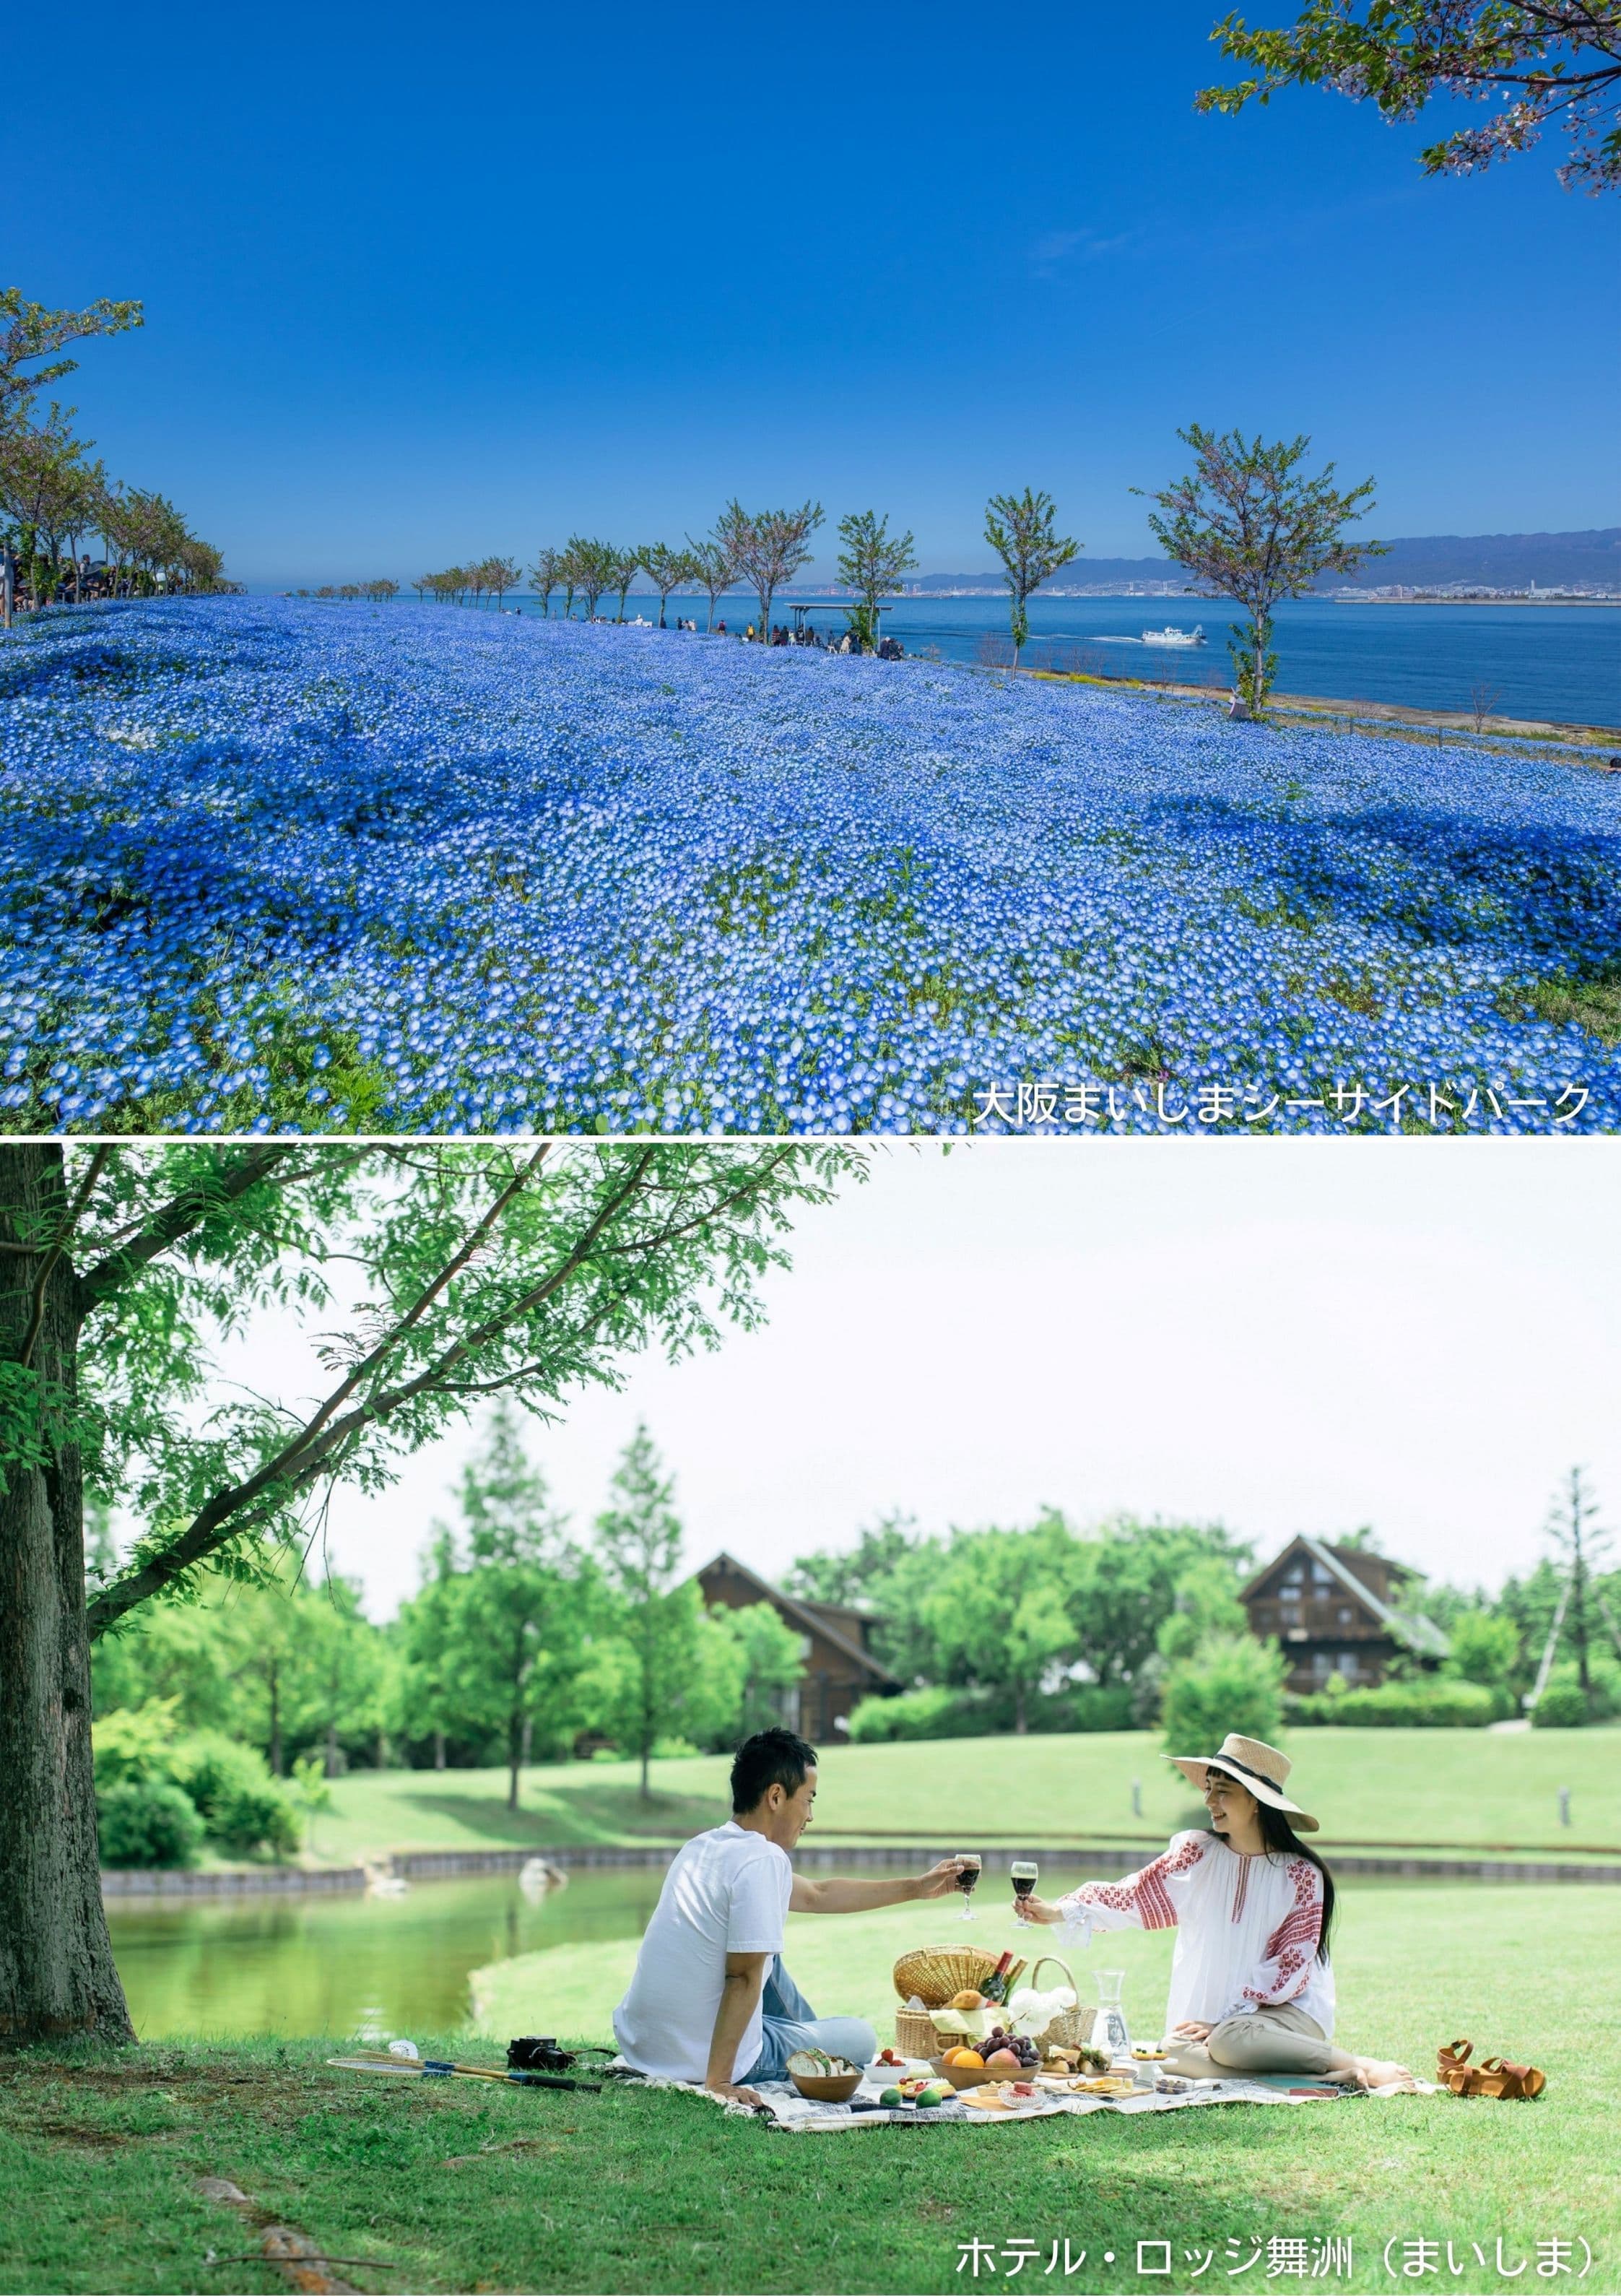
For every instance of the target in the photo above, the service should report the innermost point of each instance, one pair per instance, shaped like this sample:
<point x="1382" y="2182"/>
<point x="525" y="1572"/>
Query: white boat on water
<point x="1168" y="636"/>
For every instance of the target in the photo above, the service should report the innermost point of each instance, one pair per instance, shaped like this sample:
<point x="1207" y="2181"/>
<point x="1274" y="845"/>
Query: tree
<point x="713" y="570"/>
<point x="31" y="332"/>
<point x="623" y="568"/>
<point x="544" y="579"/>
<point x="1251" y="528"/>
<point x="500" y="576"/>
<point x="1207" y="1603"/>
<point x="513" y="1611"/>
<point x="1126" y="1582"/>
<point x="1022" y="530"/>
<point x="1551" y="59"/>
<point x="483" y="1269"/>
<point x="770" y="1650"/>
<point x="592" y="566"/>
<point x="49" y="491"/>
<point x="667" y="569"/>
<point x="1484" y="1647"/>
<point x="1230" y="1682"/>
<point x="873" y="563"/>
<point x="891" y="1572"/>
<point x="998" y="1609"/>
<point x="639" y="1542"/>
<point x="1579" y="1547"/>
<point x="769" y="546"/>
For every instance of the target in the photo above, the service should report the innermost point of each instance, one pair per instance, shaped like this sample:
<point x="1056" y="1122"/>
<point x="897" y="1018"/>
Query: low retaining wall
<point x="249" y="1881"/>
<point x="444" y="1865"/>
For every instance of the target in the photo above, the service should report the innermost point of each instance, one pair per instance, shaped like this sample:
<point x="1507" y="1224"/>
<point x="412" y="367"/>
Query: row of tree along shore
<point x="1247" y="523"/>
<point x="222" y="1722"/>
<point x="53" y="496"/>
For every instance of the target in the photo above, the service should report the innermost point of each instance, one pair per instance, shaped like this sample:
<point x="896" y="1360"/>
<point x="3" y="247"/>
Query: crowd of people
<point x="846" y="641"/>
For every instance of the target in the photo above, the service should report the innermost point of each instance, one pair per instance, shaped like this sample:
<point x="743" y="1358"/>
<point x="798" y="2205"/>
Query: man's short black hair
<point x="771" y="1757"/>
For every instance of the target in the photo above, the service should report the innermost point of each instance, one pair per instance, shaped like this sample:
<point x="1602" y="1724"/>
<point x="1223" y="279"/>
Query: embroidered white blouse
<point x="1248" y="1927"/>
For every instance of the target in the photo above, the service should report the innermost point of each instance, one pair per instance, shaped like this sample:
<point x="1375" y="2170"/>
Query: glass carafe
<point x="1108" y="2019"/>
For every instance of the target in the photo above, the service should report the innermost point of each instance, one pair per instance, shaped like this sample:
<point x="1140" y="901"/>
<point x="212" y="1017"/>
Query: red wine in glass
<point x="967" y="1874"/>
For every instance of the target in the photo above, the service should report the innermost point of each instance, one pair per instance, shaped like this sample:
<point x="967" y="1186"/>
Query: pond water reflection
<point x="349" y="1965"/>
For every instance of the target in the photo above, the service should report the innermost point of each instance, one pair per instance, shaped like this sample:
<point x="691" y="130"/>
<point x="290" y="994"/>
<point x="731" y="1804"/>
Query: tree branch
<point x="59" y="1244"/>
<point x="183" y="1214"/>
<point x="237" y="1508"/>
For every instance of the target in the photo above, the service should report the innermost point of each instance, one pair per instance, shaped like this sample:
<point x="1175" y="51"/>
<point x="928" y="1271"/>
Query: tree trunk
<point x="438" y="1749"/>
<point x="646" y="1791"/>
<point x="1021" y="1725"/>
<point x="330" y="1764"/>
<point x="514" y="1756"/>
<point x="276" y="1718"/>
<point x="57" y="1972"/>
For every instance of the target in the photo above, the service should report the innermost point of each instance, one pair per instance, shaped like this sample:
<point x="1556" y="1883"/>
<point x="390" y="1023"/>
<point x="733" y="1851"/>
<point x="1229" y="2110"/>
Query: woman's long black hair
<point x="1280" y="1837"/>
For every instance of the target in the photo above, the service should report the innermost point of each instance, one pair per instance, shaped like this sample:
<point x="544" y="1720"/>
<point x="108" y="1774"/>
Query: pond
<point x="370" y="1967"/>
<point x="363" y="1967"/>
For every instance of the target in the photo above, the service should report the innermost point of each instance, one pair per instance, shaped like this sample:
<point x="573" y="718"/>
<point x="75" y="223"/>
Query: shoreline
<point x="1345" y="714"/>
<point x="176" y="1886"/>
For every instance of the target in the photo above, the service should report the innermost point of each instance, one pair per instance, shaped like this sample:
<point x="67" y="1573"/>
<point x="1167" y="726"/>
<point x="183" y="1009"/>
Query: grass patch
<point x="1446" y="1789"/>
<point x="462" y="2188"/>
<point x="1592" y="1001"/>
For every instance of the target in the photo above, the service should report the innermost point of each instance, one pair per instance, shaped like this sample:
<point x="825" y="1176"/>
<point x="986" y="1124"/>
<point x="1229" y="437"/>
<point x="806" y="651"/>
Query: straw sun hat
<point x="1259" y="1767"/>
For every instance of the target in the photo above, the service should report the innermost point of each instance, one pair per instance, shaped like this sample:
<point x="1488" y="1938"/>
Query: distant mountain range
<point x="1501" y="560"/>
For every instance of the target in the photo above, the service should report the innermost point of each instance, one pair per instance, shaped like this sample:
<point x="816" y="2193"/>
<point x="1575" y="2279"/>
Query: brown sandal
<point x="1492" y="2077"/>
<point x="1499" y="2079"/>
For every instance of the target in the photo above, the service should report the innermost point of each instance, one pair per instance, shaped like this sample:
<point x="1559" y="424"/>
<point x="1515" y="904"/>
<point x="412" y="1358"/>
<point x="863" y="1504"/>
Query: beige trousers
<point x="1273" y="2040"/>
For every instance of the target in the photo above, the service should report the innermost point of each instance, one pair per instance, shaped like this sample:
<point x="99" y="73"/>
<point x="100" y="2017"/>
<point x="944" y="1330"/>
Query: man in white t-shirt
<point x="710" y="2001"/>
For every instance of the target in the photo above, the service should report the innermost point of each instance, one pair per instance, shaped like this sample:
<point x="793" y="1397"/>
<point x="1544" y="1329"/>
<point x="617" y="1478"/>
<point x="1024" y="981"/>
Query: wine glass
<point x="1024" y="1871"/>
<point x="968" y="1874"/>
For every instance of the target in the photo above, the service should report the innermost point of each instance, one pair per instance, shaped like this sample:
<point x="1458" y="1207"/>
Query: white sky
<point x="1280" y="1334"/>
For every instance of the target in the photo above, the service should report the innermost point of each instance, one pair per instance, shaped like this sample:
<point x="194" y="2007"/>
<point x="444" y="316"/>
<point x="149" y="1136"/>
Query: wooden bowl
<point x="827" y="2089"/>
<point x="962" y="2076"/>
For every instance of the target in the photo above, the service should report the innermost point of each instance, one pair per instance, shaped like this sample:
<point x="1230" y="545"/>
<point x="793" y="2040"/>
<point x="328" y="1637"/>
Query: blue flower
<point x="268" y="866"/>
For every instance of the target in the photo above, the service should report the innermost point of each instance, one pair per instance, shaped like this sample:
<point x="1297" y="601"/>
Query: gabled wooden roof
<point x="1410" y="1626"/>
<point x="806" y="1618"/>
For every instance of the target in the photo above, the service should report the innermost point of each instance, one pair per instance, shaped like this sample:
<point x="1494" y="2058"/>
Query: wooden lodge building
<point x="1339" y="1610"/>
<point x="834" y="1644"/>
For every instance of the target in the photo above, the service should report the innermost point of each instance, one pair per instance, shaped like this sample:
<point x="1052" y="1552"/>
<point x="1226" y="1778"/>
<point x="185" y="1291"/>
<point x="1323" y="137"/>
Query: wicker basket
<point x="935" y="1973"/>
<point x="915" y="2035"/>
<point x="1070" y="2026"/>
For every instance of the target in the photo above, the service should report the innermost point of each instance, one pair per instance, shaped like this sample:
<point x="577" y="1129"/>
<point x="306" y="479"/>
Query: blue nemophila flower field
<point x="274" y="864"/>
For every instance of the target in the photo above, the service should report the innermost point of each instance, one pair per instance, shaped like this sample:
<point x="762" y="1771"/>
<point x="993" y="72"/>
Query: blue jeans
<point x="790" y="2023"/>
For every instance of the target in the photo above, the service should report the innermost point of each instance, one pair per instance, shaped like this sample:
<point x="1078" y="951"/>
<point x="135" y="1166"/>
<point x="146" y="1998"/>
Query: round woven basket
<point x="935" y="1973"/>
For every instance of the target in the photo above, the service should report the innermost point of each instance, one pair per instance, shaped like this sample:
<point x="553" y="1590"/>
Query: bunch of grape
<point x="1023" y="2049"/>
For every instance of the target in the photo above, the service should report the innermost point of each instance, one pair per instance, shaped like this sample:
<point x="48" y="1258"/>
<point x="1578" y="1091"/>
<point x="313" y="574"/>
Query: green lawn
<point x="642" y="2190"/>
<point x="1435" y="1788"/>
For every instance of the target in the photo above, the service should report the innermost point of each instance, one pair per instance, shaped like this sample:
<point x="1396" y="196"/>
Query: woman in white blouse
<point x="1252" y="1990"/>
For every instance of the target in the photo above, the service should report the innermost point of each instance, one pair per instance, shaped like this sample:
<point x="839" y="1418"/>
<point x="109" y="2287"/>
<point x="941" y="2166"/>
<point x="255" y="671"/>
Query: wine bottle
<point x="996" y="1985"/>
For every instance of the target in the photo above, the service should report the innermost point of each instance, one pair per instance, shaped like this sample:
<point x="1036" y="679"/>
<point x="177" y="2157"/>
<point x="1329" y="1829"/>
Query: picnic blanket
<point x="800" y="2116"/>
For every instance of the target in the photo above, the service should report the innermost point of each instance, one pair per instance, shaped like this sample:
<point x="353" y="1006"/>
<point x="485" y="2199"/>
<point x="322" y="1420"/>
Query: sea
<point x="1561" y="664"/>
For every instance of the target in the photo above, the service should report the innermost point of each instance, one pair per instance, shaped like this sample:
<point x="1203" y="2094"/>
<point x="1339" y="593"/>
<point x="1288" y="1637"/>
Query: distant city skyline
<point x="400" y="310"/>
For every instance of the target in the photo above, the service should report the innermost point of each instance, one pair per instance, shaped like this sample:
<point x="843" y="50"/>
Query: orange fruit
<point x="970" y="2061"/>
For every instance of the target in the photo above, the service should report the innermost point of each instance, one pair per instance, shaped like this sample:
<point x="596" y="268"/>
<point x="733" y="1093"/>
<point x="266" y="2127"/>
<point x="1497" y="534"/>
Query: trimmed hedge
<point x="939" y="1712"/>
<point x="1401" y="1706"/>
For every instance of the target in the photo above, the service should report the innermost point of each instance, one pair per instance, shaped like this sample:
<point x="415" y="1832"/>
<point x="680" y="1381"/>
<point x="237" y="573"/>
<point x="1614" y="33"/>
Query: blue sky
<point x="426" y="281"/>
